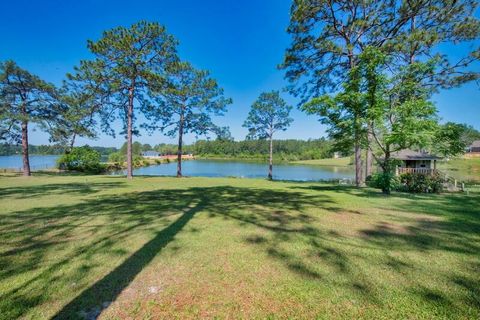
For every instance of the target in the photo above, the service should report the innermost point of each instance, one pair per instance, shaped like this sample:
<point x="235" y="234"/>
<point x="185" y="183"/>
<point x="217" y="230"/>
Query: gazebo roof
<point x="475" y="144"/>
<point x="408" y="154"/>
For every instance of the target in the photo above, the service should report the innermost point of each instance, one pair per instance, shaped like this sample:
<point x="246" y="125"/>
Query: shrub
<point x="82" y="159"/>
<point x="137" y="160"/>
<point x="419" y="183"/>
<point x="117" y="157"/>
<point x="384" y="181"/>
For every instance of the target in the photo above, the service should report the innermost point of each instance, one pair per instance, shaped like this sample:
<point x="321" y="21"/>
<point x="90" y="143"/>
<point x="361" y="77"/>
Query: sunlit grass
<point x="339" y="162"/>
<point x="197" y="247"/>
<point x="462" y="169"/>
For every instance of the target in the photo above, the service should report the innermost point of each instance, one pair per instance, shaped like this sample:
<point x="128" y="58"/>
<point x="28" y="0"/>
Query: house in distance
<point x="415" y="162"/>
<point x="151" y="154"/>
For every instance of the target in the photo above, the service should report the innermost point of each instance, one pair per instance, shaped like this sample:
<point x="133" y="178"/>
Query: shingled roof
<point x="475" y="144"/>
<point x="408" y="154"/>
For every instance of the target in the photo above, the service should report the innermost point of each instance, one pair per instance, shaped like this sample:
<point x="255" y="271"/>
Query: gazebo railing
<point x="416" y="170"/>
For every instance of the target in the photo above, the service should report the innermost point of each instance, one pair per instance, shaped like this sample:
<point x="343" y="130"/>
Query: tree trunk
<point x="180" y="145"/>
<point x="368" y="162"/>
<point x="26" y="160"/>
<point x="368" y="155"/>
<point x="270" y="160"/>
<point x="72" y="142"/>
<point x="130" y="132"/>
<point x="358" y="149"/>
<point x="358" y="153"/>
<point x="387" y="171"/>
<point x="358" y="164"/>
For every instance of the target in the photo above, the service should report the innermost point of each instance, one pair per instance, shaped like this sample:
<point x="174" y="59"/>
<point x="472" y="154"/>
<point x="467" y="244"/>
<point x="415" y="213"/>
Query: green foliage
<point x="127" y="60"/>
<point x="129" y="65"/>
<point x="11" y="149"/>
<point x="24" y="99"/>
<point x="449" y="140"/>
<point x="286" y="150"/>
<point x="329" y="36"/>
<point x="398" y="114"/>
<point x="146" y="147"/>
<point x="138" y="161"/>
<point x="117" y="157"/>
<point x="79" y="107"/>
<point x="386" y="181"/>
<point x="421" y="183"/>
<point x="120" y="157"/>
<point x="187" y="103"/>
<point x="268" y="114"/>
<point x="82" y="159"/>
<point x="137" y="148"/>
<point x="468" y="133"/>
<point x="407" y="182"/>
<point x="343" y="113"/>
<point x="452" y="139"/>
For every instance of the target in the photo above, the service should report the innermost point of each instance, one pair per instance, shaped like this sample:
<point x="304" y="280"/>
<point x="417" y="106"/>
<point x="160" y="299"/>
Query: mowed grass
<point x="337" y="162"/>
<point x="462" y="169"/>
<point x="86" y="246"/>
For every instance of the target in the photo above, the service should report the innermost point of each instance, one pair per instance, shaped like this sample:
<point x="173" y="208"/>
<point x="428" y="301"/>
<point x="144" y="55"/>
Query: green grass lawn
<point x="80" y="246"/>
<point x="467" y="170"/>
<point x="339" y="162"/>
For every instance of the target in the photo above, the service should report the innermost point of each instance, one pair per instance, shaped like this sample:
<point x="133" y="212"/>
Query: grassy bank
<point x="339" y="162"/>
<point x="462" y="169"/>
<point x="197" y="247"/>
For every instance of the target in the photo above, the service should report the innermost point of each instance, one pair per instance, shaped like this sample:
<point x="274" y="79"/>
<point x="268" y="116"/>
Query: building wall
<point x="416" y="164"/>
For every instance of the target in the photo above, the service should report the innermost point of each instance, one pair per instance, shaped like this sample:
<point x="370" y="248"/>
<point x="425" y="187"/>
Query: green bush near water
<point x="82" y="159"/>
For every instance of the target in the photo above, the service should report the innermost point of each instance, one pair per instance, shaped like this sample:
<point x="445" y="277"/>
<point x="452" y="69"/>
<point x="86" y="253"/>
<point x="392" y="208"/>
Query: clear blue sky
<point x="240" y="42"/>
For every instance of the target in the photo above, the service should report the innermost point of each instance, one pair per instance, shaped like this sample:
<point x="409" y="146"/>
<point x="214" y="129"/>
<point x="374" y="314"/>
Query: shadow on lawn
<point x="97" y="225"/>
<point x="28" y="192"/>
<point x="442" y="222"/>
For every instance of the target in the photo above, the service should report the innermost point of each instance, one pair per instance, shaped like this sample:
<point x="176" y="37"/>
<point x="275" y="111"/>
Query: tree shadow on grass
<point x="28" y="192"/>
<point x="454" y="226"/>
<point x="447" y="223"/>
<point x="97" y="225"/>
<point x="110" y="286"/>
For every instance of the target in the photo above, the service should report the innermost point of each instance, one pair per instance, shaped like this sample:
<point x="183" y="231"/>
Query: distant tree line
<point x="286" y="150"/>
<point x="259" y="149"/>
<point x="290" y="149"/>
<point x="43" y="149"/>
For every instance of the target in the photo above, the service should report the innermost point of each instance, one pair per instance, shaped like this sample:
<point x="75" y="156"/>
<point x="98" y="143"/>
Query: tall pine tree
<point x="186" y="104"/>
<point x="128" y="63"/>
<point x="24" y="99"/>
<point x="268" y="115"/>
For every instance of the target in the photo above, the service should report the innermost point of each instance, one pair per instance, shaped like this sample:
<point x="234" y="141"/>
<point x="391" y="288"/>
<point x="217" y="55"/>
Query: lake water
<point x="244" y="169"/>
<point x="208" y="168"/>
<point x="37" y="162"/>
